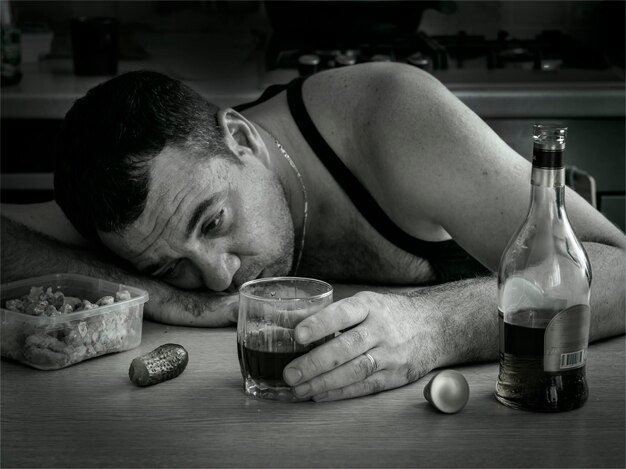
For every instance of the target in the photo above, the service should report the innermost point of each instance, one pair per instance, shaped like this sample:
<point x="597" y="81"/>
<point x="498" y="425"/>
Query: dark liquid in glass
<point x="268" y="365"/>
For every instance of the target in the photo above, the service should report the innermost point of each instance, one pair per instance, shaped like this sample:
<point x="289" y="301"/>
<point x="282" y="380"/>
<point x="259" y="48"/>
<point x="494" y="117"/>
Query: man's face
<point x="209" y="223"/>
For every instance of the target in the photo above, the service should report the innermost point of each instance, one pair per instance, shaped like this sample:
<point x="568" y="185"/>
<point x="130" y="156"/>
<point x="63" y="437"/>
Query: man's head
<point x="170" y="182"/>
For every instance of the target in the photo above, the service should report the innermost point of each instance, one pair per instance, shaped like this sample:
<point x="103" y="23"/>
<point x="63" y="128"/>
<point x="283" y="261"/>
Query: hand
<point x="402" y="335"/>
<point x="170" y="305"/>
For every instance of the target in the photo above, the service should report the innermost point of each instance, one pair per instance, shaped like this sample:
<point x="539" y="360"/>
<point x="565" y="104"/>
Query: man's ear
<point x="242" y="136"/>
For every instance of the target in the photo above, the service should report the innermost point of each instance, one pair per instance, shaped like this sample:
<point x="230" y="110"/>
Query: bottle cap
<point x="549" y="137"/>
<point x="447" y="391"/>
<point x="548" y="145"/>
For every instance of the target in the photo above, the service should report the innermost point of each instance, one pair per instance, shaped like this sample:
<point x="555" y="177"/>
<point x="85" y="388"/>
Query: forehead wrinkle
<point x="147" y="241"/>
<point x="158" y="226"/>
<point x="175" y="214"/>
<point x="175" y="179"/>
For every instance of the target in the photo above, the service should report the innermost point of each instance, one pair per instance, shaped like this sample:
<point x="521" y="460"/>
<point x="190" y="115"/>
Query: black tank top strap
<point x="358" y="194"/>
<point x="448" y="259"/>
<point x="268" y="93"/>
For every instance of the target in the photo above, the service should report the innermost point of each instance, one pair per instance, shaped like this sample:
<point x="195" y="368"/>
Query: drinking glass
<point x="269" y="310"/>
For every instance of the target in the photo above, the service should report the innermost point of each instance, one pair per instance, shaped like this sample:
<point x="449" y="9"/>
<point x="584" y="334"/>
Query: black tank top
<point x="449" y="260"/>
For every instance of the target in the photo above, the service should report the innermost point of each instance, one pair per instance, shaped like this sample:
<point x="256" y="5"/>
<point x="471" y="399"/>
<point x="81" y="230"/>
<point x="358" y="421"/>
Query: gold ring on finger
<point x="374" y="366"/>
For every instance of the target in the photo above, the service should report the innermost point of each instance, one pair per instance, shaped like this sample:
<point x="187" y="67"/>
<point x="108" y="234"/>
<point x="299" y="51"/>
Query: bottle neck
<point x="548" y="177"/>
<point x="548" y="188"/>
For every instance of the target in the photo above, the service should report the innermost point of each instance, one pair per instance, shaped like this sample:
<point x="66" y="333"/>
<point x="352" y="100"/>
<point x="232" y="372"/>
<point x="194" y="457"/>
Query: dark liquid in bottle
<point x="522" y="381"/>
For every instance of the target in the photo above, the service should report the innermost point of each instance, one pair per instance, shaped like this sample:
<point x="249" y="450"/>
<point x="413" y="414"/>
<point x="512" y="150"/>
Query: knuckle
<point x="318" y="385"/>
<point x="358" y="302"/>
<point x="355" y="339"/>
<point x="350" y="307"/>
<point x="367" y="298"/>
<point x="314" y="364"/>
<point x="317" y="324"/>
<point x="338" y="393"/>
<point x="363" y="368"/>
<point x="323" y="383"/>
<point x="411" y="373"/>
<point x="377" y="385"/>
<point x="364" y="295"/>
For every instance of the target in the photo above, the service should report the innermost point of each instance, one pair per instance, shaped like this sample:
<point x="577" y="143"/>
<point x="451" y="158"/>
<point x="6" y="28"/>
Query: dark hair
<point x="109" y="136"/>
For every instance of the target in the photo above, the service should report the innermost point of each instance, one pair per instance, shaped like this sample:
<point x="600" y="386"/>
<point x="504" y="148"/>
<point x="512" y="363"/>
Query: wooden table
<point x="90" y="415"/>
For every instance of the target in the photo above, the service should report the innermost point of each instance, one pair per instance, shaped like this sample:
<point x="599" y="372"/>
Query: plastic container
<point x="50" y="342"/>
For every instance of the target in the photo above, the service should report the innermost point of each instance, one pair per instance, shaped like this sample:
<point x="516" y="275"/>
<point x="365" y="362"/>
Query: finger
<point x="388" y="376"/>
<point x="290" y="318"/>
<point x="271" y="339"/>
<point x="351" y="372"/>
<point x="378" y="382"/>
<point x="334" y="318"/>
<point x="328" y="356"/>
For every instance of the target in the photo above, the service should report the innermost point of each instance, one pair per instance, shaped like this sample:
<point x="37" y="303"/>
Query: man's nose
<point x="219" y="270"/>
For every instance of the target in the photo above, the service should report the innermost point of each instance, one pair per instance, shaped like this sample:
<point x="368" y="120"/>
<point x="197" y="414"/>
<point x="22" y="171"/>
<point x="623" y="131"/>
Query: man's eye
<point x="169" y="271"/>
<point x="214" y="224"/>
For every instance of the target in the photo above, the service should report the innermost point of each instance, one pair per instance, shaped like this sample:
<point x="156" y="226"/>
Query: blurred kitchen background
<point x="513" y="62"/>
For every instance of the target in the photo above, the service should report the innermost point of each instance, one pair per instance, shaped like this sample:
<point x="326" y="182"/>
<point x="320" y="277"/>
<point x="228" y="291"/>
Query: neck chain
<point x="306" y="202"/>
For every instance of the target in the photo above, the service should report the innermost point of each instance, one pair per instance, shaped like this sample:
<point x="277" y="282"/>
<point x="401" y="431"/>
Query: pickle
<point x="163" y="363"/>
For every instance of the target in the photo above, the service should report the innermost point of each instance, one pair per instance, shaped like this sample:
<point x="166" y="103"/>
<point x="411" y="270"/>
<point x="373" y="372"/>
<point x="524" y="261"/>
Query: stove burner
<point x="548" y="51"/>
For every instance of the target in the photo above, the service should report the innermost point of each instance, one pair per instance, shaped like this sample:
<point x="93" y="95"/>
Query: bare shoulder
<point x="342" y="103"/>
<point x="363" y="80"/>
<point x="431" y="163"/>
<point x="370" y="114"/>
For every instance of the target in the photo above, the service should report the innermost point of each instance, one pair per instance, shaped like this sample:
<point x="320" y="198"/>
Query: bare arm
<point x="411" y="331"/>
<point x="438" y="171"/>
<point x="466" y="180"/>
<point x="468" y="309"/>
<point x="27" y="252"/>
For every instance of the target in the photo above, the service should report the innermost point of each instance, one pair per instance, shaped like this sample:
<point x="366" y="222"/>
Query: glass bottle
<point x="544" y="283"/>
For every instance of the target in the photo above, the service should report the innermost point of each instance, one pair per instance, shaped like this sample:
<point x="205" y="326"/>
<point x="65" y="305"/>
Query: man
<point x="371" y="174"/>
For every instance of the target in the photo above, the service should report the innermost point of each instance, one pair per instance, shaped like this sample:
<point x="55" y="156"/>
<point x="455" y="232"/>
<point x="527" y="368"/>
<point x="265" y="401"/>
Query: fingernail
<point x="292" y="376"/>
<point x="302" y="334"/>
<point x="302" y="390"/>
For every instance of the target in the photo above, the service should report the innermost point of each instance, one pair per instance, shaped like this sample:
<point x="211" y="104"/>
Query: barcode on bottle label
<point x="572" y="360"/>
<point x="566" y="338"/>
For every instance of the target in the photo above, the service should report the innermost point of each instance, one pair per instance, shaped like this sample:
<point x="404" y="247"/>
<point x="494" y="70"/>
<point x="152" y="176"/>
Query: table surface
<point x="90" y="415"/>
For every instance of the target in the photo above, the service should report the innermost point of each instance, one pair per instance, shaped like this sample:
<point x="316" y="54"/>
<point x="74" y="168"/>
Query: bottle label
<point x="566" y="338"/>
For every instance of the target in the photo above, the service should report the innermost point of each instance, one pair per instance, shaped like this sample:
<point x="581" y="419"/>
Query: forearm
<point x="608" y="285"/>
<point x="467" y="310"/>
<point x="468" y="317"/>
<point x="27" y="253"/>
<point x="391" y="336"/>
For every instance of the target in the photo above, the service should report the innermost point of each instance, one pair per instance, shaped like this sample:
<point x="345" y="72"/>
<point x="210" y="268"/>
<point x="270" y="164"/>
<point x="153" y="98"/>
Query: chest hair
<point x="358" y="253"/>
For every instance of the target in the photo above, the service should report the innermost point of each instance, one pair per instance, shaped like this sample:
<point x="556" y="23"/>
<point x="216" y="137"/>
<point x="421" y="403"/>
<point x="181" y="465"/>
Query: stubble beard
<point x="282" y="263"/>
